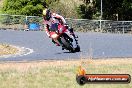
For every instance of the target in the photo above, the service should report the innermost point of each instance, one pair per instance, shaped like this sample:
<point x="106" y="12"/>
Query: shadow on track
<point x="67" y="52"/>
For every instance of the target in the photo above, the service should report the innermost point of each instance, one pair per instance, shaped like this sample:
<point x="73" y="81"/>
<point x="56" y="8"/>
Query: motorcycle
<point x="59" y="35"/>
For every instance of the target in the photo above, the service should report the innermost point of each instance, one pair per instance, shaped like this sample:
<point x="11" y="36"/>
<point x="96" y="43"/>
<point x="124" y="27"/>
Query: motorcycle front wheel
<point x="66" y="41"/>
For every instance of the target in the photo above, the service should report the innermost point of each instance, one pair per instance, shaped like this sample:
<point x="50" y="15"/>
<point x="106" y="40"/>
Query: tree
<point x="87" y="9"/>
<point x="116" y="8"/>
<point x="25" y="7"/>
<point x="66" y="9"/>
<point x="111" y="9"/>
<point x="126" y="10"/>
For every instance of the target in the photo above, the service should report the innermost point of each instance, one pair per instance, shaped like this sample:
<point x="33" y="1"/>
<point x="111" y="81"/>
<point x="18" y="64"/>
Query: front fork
<point x="74" y="42"/>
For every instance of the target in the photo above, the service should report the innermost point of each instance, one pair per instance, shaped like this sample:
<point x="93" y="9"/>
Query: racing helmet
<point x="46" y="14"/>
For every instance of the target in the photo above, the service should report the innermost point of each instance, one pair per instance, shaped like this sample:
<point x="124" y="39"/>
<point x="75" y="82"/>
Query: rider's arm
<point x="46" y="28"/>
<point x="59" y="17"/>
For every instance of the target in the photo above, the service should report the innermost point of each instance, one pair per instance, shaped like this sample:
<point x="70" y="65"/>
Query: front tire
<point x="67" y="42"/>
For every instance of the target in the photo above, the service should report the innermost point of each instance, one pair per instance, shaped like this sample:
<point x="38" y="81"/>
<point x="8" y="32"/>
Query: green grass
<point x="39" y="75"/>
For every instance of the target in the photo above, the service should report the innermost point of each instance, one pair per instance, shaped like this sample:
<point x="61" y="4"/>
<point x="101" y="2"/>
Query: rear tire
<point x="77" y="48"/>
<point x="73" y="51"/>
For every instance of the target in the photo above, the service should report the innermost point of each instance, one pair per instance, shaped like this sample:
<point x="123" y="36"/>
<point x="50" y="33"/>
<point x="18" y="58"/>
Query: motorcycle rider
<point x="52" y="18"/>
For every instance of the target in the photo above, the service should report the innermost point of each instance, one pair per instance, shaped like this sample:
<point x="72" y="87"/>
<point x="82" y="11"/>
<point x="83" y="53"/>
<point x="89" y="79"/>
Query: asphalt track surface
<point x="99" y="45"/>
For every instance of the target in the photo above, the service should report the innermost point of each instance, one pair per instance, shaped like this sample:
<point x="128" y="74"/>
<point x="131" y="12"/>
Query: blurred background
<point x="106" y="16"/>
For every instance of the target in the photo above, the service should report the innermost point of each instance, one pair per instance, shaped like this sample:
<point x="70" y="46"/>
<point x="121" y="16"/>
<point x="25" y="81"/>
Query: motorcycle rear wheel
<point x="77" y="49"/>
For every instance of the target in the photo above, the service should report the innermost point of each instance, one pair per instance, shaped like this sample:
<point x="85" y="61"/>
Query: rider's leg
<point x="55" y="42"/>
<point x="72" y="32"/>
<point x="70" y="29"/>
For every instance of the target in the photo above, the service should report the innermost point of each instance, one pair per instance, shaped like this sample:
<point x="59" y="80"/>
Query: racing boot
<point x="55" y="43"/>
<point x="63" y="48"/>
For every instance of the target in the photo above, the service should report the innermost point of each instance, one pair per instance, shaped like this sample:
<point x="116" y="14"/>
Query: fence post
<point x="100" y="26"/>
<point x="123" y="28"/>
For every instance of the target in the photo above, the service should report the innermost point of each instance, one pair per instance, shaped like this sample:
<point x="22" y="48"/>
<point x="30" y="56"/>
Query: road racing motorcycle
<point x="60" y="35"/>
